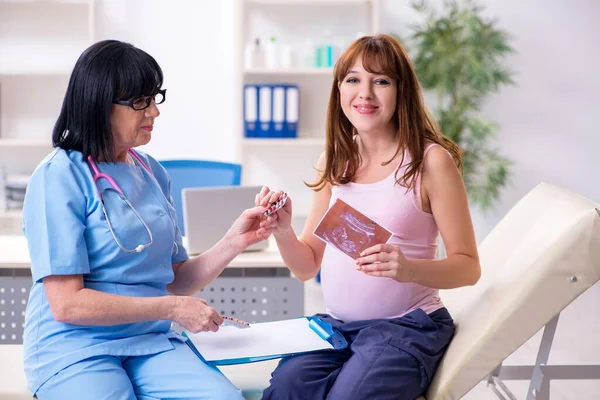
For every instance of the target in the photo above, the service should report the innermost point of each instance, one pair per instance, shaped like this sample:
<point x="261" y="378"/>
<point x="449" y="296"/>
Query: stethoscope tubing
<point x="97" y="175"/>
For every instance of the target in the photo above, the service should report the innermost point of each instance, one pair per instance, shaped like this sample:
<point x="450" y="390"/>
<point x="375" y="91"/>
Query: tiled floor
<point x="577" y="341"/>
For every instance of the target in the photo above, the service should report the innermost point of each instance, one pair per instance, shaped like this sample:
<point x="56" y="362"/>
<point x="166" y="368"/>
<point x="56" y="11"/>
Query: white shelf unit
<point x="40" y="41"/>
<point x="308" y="2"/>
<point x="289" y="71"/>
<point x="287" y="163"/>
<point x="17" y="143"/>
<point x="11" y="222"/>
<point x="285" y="142"/>
<point x="43" y="37"/>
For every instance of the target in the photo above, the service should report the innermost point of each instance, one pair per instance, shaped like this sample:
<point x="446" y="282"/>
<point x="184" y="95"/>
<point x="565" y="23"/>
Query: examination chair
<point x="542" y="255"/>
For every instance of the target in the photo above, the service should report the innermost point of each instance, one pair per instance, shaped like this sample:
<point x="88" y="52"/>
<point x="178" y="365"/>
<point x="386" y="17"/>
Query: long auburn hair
<point x="381" y="54"/>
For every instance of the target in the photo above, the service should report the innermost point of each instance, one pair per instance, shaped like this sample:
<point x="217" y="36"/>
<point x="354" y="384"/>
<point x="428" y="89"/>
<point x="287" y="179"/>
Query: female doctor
<point x="109" y="270"/>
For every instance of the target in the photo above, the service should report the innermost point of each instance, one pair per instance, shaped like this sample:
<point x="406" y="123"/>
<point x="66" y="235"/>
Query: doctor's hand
<point x="195" y="315"/>
<point x="282" y="217"/>
<point x="385" y="260"/>
<point x="249" y="228"/>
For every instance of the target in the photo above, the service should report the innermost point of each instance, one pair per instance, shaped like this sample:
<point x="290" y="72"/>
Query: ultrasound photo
<point x="350" y="231"/>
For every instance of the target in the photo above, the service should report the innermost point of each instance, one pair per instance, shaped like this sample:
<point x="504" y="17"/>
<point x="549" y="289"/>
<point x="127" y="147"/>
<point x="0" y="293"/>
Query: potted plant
<point x="458" y="54"/>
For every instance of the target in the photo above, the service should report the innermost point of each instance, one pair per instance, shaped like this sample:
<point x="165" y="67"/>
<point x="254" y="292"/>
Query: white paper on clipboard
<point x="349" y="230"/>
<point x="262" y="339"/>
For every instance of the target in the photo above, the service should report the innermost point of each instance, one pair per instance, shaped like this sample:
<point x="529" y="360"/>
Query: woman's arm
<point x="302" y="256"/>
<point x="445" y="195"/>
<point x="72" y="303"/>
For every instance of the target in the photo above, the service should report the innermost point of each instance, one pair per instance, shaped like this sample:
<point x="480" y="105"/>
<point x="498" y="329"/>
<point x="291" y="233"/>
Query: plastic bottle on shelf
<point x="271" y="59"/>
<point x="287" y="57"/>
<point x="308" y="54"/>
<point x="253" y="55"/>
<point x="324" y="52"/>
<point x="330" y="49"/>
<point x="320" y="54"/>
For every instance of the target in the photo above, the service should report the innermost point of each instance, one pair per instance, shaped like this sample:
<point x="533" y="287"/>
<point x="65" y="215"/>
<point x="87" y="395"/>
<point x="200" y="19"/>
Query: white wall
<point x="193" y="41"/>
<point x="547" y="121"/>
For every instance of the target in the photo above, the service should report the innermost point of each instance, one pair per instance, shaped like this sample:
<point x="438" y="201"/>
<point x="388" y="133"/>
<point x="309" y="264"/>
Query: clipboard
<point x="265" y="341"/>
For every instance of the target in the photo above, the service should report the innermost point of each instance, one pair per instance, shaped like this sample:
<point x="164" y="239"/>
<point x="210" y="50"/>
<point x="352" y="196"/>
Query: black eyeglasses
<point x="143" y="102"/>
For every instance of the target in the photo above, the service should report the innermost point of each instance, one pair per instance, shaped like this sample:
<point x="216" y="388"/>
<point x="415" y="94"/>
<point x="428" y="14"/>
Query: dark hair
<point x="107" y="71"/>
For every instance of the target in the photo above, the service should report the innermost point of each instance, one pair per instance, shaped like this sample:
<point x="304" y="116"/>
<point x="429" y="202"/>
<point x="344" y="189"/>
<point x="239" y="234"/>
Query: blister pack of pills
<point x="277" y="204"/>
<point x="238" y="323"/>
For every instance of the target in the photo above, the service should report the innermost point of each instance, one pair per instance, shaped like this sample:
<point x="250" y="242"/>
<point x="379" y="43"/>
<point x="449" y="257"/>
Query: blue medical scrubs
<point x="68" y="234"/>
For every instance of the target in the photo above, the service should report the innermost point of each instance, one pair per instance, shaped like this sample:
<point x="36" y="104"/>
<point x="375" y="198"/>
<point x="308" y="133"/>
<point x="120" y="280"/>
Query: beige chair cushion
<point x="542" y="255"/>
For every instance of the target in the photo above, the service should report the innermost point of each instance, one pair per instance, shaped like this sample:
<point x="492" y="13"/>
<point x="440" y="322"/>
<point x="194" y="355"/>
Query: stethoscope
<point x="99" y="175"/>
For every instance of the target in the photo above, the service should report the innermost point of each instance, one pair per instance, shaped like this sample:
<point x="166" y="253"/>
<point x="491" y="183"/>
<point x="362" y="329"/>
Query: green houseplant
<point x="458" y="54"/>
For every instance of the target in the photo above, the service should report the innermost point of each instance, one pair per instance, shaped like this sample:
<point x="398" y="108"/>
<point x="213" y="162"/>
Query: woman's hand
<point x="250" y="227"/>
<point x="195" y="315"/>
<point x="283" y="217"/>
<point x="385" y="260"/>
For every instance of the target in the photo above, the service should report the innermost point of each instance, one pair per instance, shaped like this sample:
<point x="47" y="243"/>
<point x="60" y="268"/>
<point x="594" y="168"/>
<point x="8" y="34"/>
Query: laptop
<point x="209" y="212"/>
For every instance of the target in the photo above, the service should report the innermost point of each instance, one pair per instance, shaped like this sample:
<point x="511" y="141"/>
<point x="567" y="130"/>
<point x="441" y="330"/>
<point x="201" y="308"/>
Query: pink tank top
<point x="350" y="295"/>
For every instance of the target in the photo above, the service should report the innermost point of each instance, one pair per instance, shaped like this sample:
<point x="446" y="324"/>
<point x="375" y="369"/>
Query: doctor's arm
<point x="72" y="303"/>
<point x="197" y="272"/>
<point x="54" y="221"/>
